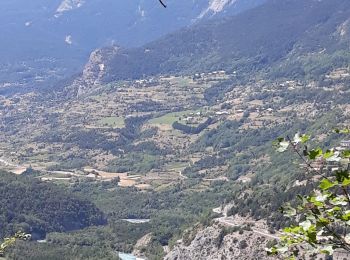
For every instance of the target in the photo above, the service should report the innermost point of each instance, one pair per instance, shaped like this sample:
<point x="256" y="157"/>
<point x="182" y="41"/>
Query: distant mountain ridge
<point x="68" y="5"/>
<point x="278" y="35"/>
<point x="97" y="23"/>
<point x="60" y="34"/>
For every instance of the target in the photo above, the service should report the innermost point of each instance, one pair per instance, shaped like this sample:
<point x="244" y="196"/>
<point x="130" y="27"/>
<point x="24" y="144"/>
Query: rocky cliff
<point x="218" y="243"/>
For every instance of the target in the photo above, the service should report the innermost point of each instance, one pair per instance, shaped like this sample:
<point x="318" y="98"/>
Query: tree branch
<point x="161" y="2"/>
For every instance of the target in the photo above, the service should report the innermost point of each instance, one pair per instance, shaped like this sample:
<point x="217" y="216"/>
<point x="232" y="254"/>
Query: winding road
<point x="231" y="222"/>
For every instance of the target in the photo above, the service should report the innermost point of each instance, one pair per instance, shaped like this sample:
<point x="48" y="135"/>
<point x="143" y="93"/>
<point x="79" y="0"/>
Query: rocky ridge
<point x="68" y="5"/>
<point x="213" y="243"/>
<point x="216" y="6"/>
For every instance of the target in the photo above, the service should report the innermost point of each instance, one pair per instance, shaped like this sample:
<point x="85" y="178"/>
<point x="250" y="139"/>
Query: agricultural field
<point x="126" y="129"/>
<point x="112" y="121"/>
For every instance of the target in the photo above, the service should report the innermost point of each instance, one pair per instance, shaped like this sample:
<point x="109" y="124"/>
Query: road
<point x="231" y="222"/>
<point x="182" y="176"/>
<point x="16" y="169"/>
<point x="206" y="179"/>
<point x="265" y="234"/>
<point x="216" y="179"/>
<point x="6" y="163"/>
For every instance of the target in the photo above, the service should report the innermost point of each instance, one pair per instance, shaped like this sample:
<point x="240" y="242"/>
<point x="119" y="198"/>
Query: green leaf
<point x="324" y="221"/>
<point x="305" y="138"/>
<point x="342" y="131"/>
<point x="283" y="146"/>
<point x="297" y="138"/>
<point x="300" y="138"/>
<point x="312" y="235"/>
<point x="346" y="216"/>
<point x="346" y="182"/>
<point x="288" y="211"/>
<point x="332" y="211"/>
<point x="313" y="154"/>
<point x="345" y="154"/>
<point x="271" y="251"/>
<point x="282" y="249"/>
<point x="339" y="201"/>
<point x="305" y="225"/>
<point x="326" y="184"/>
<point x="293" y="230"/>
<point x="341" y="175"/>
<point x="328" y="250"/>
<point x="335" y="158"/>
<point x="328" y="154"/>
<point x="278" y="141"/>
<point x="300" y="197"/>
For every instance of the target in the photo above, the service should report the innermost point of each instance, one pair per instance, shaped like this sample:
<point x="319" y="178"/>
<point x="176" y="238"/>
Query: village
<point x="43" y="144"/>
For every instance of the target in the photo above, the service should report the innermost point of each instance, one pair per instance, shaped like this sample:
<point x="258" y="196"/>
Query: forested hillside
<point x="36" y="207"/>
<point x="48" y="40"/>
<point x="291" y="34"/>
<point x="166" y="150"/>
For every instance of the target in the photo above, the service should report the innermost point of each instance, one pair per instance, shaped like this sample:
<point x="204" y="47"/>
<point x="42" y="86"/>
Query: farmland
<point x="125" y="129"/>
<point x="117" y="145"/>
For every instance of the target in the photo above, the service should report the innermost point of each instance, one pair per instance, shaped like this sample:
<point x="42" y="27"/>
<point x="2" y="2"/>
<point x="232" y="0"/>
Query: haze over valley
<point x="132" y="130"/>
<point x="48" y="41"/>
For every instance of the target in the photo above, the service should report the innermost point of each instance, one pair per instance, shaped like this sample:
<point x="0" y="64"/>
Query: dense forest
<point x="36" y="207"/>
<point x="121" y="151"/>
<point x="275" y="39"/>
<point x="193" y="129"/>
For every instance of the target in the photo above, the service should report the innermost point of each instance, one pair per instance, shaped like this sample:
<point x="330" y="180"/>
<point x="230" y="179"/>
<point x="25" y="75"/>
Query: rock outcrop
<point x="68" y="5"/>
<point x="216" y="244"/>
<point x="216" y="6"/>
<point x="93" y="72"/>
<point x="141" y="244"/>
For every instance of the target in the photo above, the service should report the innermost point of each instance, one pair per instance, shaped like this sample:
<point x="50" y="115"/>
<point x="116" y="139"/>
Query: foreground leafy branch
<point x="162" y="3"/>
<point x="9" y="241"/>
<point x="323" y="217"/>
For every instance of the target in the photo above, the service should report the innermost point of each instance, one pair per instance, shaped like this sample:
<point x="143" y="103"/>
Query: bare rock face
<point x="95" y="68"/>
<point x="142" y="243"/>
<point x="344" y="30"/>
<point x="93" y="71"/>
<point x="211" y="243"/>
<point x="68" y="5"/>
<point x="216" y="6"/>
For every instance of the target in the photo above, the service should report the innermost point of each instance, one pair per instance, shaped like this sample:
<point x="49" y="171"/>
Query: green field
<point x="170" y="118"/>
<point x="176" y="166"/>
<point x="112" y="121"/>
<point x="182" y="82"/>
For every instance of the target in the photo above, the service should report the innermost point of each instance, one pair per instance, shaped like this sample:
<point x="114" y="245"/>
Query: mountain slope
<point x="54" y="38"/>
<point x="95" y="23"/>
<point x="253" y="40"/>
<point x="36" y="207"/>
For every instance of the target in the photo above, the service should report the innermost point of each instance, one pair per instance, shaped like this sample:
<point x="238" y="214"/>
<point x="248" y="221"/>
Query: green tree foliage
<point x="9" y="241"/>
<point x="321" y="221"/>
<point x="48" y="251"/>
<point x="287" y="39"/>
<point x="37" y="207"/>
<point x="193" y="130"/>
